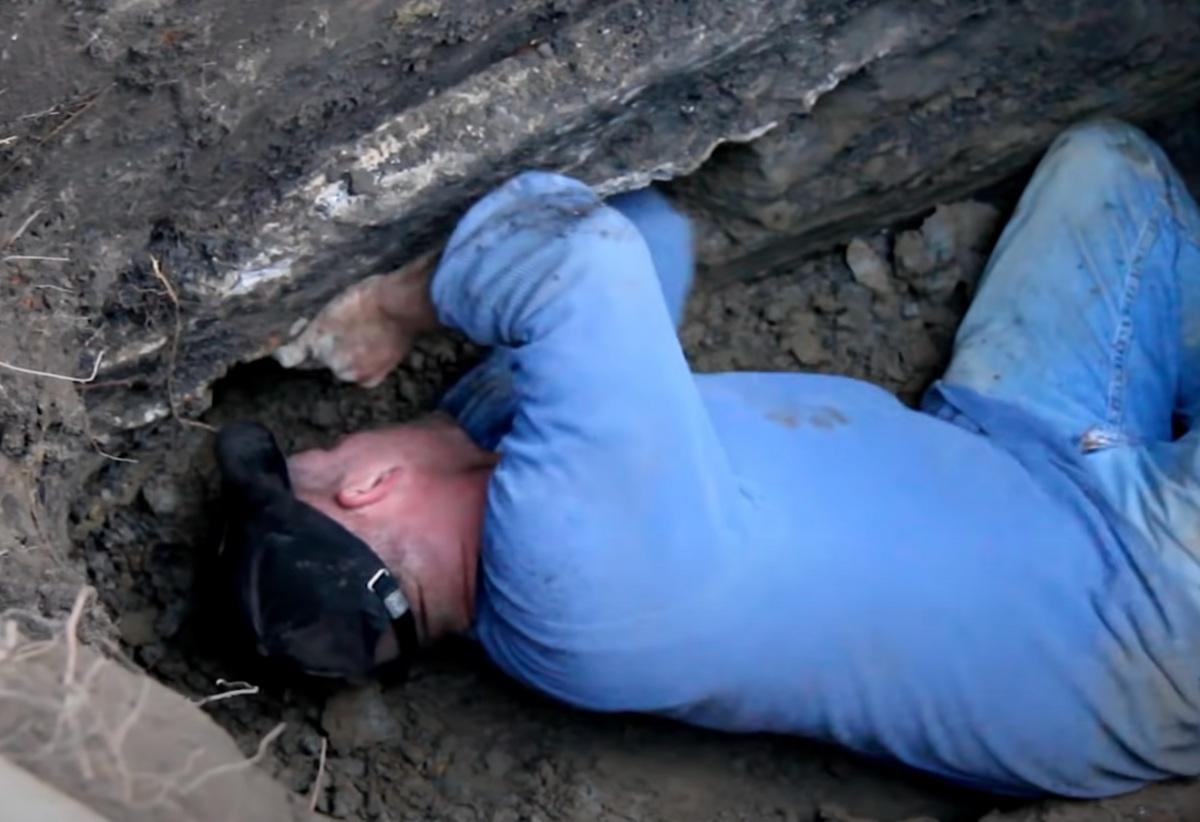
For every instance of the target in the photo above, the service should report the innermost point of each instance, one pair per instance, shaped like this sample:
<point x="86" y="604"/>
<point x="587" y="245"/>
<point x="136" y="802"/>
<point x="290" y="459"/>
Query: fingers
<point x="319" y="343"/>
<point x="294" y="354"/>
<point x="361" y="355"/>
<point x="352" y="337"/>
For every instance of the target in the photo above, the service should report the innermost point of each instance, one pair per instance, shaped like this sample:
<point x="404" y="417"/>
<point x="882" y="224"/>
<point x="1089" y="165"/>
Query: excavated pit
<point x="459" y="742"/>
<point x="230" y="142"/>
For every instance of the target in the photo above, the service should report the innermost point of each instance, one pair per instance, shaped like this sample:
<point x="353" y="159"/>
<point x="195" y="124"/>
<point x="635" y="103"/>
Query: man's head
<point x="407" y="498"/>
<point x="414" y="493"/>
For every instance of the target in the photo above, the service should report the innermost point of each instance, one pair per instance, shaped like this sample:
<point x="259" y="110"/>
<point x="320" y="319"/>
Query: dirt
<point x="457" y="741"/>
<point x="131" y="128"/>
<point x="98" y="729"/>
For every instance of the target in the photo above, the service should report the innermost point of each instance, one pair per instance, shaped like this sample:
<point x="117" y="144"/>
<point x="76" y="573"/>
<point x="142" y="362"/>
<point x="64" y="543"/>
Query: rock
<point x="347" y="801"/>
<point x="886" y="363"/>
<point x="357" y="717"/>
<point x="352" y="767"/>
<point x="498" y="762"/>
<point x="776" y="312"/>
<point x="913" y="256"/>
<point x="309" y="743"/>
<point x="326" y="414"/>
<point x="904" y="140"/>
<point x="868" y="267"/>
<point x="162" y="497"/>
<point x="949" y="249"/>
<point x="833" y="812"/>
<point x="297" y="192"/>
<point x="826" y="301"/>
<point x="920" y="353"/>
<point x="803" y="341"/>
<point x="960" y="232"/>
<point x="171" y="619"/>
<point x="137" y="627"/>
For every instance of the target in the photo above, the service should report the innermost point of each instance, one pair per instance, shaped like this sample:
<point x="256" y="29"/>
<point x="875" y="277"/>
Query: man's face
<point x="406" y="491"/>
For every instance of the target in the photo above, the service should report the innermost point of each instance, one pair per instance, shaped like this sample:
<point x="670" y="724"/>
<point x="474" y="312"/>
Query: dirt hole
<point x="457" y="741"/>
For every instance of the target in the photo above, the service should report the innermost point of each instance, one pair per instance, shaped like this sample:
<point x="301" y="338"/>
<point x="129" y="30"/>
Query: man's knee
<point x="1097" y="151"/>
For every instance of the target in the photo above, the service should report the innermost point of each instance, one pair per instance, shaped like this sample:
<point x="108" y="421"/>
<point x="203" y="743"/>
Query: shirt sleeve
<point x="612" y="489"/>
<point x="564" y="287"/>
<point x="483" y="401"/>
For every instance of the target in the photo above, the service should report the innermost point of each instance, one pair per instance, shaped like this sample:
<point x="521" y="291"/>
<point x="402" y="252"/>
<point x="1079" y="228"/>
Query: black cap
<point x="312" y="594"/>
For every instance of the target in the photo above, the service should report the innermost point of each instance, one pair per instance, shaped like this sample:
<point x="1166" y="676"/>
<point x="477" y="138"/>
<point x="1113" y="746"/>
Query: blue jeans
<point x="1088" y="317"/>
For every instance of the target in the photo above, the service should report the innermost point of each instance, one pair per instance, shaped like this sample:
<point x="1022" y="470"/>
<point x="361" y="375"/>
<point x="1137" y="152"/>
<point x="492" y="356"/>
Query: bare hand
<point x="368" y="329"/>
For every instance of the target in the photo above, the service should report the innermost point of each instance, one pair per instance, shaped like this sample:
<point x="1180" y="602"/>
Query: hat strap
<point x="383" y="585"/>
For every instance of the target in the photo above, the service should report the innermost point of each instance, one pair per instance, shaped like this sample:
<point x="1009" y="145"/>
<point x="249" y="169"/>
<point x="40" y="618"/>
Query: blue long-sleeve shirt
<point x="787" y="552"/>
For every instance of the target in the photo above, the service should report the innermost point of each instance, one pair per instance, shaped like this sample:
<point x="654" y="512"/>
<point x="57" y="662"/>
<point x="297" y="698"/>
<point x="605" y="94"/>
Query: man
<point x="1000" y="589"/>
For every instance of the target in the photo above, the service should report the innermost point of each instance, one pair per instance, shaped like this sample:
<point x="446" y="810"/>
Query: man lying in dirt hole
<point x="1001" y="588"/>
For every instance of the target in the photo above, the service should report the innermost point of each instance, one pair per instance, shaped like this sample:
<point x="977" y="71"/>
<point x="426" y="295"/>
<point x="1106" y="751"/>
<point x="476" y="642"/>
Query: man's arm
<point x="366" y="332"/>
<point x="565" y="288"/>
<point x="613" y="495"/>
<point x="484" y="402"/>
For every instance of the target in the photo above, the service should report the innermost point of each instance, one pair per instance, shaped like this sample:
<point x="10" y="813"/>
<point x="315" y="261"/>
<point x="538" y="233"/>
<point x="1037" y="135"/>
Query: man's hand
<point x="368" y="329"/>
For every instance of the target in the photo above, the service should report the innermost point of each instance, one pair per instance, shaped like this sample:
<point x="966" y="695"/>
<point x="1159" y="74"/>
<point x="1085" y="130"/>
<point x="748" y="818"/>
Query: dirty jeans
<point x="1088" y="317"/>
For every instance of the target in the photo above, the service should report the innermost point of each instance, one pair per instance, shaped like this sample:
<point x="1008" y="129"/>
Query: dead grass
<point x="161" y="275"/>
<point x="69" y="716"/>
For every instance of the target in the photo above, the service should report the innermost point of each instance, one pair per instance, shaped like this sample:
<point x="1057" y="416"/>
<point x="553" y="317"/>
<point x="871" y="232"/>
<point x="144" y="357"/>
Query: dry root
<point x="108" y="735"/>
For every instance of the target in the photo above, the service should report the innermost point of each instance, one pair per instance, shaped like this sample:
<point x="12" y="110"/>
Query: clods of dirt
<point x="883" y="309"/>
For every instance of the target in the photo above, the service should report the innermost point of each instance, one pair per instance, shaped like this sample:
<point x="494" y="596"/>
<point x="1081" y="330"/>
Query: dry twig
<point x="72" y="633"/>
<point x="234" y="767"/>
<point x="46" y="112"/>
<point x="316" y="788"/>
<point x="36" y="373"/>
<point x="174" y="297"/>
<point x="76" y="114"/>
<point x="234" y="689"/>
<point x="15" y="258"/>
<point x="75" y="723"/>
<point x="113" y="457"/>
<point x="16" y="235"/>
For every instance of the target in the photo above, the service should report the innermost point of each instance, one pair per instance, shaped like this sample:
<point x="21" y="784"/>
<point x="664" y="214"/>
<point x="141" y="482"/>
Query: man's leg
<point x="1157" y="486"/>
<point x="1079" y="315"/>
<point x="1089" y="316"/>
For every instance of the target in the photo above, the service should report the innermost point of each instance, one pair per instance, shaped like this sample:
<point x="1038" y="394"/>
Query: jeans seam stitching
<point x="1118" y="379"/>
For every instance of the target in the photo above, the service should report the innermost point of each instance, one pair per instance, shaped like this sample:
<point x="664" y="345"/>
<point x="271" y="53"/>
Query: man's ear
<point x="359" y="492"/>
